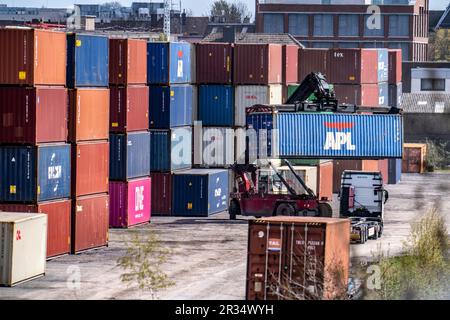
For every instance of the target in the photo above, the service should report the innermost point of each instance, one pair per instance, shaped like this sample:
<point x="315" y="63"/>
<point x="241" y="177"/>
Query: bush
<point x="437" y="155"/>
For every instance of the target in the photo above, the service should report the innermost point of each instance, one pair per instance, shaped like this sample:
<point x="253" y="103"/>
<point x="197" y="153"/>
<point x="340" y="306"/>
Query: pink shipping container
<point x="290" y="64"/>
<point x="130" y="203"/>
<point x="257" y="64"/>
<point x="352" y="66"/>
<point x="395" y="66"/>
<point x="366" y="95"/>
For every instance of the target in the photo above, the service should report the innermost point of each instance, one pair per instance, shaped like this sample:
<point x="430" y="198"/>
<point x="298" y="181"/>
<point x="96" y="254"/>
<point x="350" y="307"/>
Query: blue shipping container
<point x="216" y="105"/>
<point x="171" y="149"/>
<point x="383" y="94"/>
<point x="171" y="106"/>
<point x="199" y="192"/>
<point x="31" y="174"/>
<point x="87" y="61"/>
<point x="168" y="63"/>
<point x="394" y="171"/>
<point x="383" y="65"/>
<point x="129" y="156"/>
<point x="328" y="136"/>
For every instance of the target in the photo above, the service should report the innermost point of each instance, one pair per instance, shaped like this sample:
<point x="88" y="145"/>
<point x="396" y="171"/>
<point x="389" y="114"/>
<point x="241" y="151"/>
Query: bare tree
<point x="234" y="12"/>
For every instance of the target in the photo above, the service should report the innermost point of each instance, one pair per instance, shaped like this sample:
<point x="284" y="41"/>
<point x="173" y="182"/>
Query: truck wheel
<point x="325" y="210"/>
<point x="234" y="210"/>
<point x="285" y="209"/>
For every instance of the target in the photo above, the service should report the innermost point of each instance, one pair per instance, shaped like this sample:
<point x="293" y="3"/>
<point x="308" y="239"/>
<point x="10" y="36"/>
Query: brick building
<point x="349" y="23"/>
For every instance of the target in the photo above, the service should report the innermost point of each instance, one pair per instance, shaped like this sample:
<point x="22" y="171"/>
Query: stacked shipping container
<point x="130" y="185"/>
<point x="87" y="80"/>
<point x="35" y="168"/>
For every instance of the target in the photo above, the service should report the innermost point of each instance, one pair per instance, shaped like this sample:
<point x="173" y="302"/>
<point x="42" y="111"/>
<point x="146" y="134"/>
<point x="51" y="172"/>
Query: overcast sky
<point x="199" y="7"/>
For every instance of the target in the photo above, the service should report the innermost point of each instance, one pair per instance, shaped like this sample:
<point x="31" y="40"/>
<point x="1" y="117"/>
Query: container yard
<point x="268" y="171"/>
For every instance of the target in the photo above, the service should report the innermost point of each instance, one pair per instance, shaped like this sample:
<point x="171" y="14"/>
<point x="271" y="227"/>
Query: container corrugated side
<point x="161" y="193"/>
<point x="383" y="65"/>
<point x="32" y="57"/>
<point x="168" y="63"/>
<point x="171" y="106"/>
<point x="200" y="192"/>
<point x="87" y="61"/>
<point x="383" y="94"/>
<point x="396" y="95"/>
<point x="248" y="96"/>
<point x="90" y="222"/>
<point x="25" y="114"/>
<point x="352" y="66"/>
<point x="332" y="135"/>
<point x="127" y="61"/>
<point x="31" y="174"/>
<point x="58" y="213"/>
<point x="129" y="156"/>
<point x="290" y="64"/>
<point x="216" y="105"/>
<point x="171" y="149"/>
<point x="395" y="66"/>
<point x="214" y="63"/>
<point x="394" y="171"/>
<point x="312" y="60"/>
<point x="130" y="203"/>
<point x="366" y="95"/>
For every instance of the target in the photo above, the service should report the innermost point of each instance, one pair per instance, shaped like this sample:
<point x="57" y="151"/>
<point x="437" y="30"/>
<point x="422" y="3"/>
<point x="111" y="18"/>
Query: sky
<point x="198" y="7"/>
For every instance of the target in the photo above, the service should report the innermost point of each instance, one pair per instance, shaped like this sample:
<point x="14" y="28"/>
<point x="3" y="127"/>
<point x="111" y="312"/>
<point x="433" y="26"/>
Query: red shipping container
<point x="214" y="63"/>
<point x="290" y="64"/>
<point x="58" y="213"/>
<point x="90" y="168"/>
<point x="161" y="194"/>
<point x="127" y="61"/>
<point x="130" y="203"/>
<point x="129" y="109"/>
<point x="32" y="57"/>
<point x="352" y="66"/>
<point x="90" y="222"/>
<point x="395" y="66"/>
<point x="33" y="115"/>
<point x="88" y="114"/>
<point x="366" y="95"/>
<point x="325" y="180"/>
<point x="257" y="64"/>
<point x="383" y="167"/>
<point x="312" y="60"/>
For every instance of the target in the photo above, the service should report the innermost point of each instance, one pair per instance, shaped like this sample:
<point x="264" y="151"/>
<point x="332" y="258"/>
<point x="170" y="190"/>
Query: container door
<point x="304" y="262"/>
<point x="412" y="160"/>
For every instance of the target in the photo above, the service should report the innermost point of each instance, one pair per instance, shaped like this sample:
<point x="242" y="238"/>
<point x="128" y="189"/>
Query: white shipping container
<point x="247" y="96"/>
<point x="23" y="247"/>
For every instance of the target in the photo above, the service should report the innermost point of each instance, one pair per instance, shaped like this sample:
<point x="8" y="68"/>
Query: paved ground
<point x="209" y="255"/>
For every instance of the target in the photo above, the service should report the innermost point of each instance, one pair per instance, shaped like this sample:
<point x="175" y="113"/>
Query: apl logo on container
<point x="339" y="140"/>
<point x="139" y="199"/>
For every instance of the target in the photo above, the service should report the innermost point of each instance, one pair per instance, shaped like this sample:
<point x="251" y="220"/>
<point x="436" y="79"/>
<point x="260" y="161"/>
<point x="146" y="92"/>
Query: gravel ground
<point x="209" y="255"/>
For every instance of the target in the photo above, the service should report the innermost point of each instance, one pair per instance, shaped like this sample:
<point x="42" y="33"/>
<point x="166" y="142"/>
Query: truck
<point x="362" y="199"/>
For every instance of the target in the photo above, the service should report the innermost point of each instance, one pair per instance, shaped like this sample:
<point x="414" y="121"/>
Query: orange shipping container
<point x="32" y="57"/>
<point x="309" y="256"/>
<point x="414" y="157"/>
<point x="325" y="178"/>
<point x="127" y="61"/>
<point x="88" y="114"/>
<point x="383" y="167"/>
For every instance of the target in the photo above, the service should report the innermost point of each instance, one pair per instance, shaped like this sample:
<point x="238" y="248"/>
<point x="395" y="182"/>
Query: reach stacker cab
<point x="362" y="199"/>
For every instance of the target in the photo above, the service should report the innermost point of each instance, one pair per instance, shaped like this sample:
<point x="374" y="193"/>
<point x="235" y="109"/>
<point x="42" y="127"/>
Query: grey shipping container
<point x="395" y="95"/>
<point x="383" y="94"/>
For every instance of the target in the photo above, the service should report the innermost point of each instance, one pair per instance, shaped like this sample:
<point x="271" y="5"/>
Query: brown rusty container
<point x="325" y="180"/>
<point x="129" y="109"/>
<point x="278" y="258"/>
<point x="312" y="60"/>
<point x="58" y="212"/>
<point x="366" y="95"/>
<point x="32" y="57"/>
<point x="383" y="167"/>
<point x="90" y="168"/>
<point x="290" y="64"/>
<point x="88" y="114"/>
<point x="352" y="66"/>
<point x="395" y="66"/>
<point x="127" y="61"/>
<point x="214" y="62"/>
<point x="161" y="194"/>
<point x="414" y="155"/>
<point x="33" y="115"/>
<point x="90" y="222"/>
<point x="257" y="64"/>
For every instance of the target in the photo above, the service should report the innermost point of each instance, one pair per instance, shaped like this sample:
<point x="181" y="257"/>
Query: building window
<point x="371" y="30"/>
<point x="348" y="25"/>
<point x="325" y="45"/>
<point x="298" y="24"/>
<point x="432" y="84"/>
<point x="349" y="45"/>
<point x="273" y="23"/>
<point x="323" y="25"/>
<point x="399" y="26"/>
<point x="405" y="49"/>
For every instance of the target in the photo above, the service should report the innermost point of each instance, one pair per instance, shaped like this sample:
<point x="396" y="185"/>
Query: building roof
<point x="439" y="19"/>
<point x="246" y="37"/>
<point x="426" y="102"/>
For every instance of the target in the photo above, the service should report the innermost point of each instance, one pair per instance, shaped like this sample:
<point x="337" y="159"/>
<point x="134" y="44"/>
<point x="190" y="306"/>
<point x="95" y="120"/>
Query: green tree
<point x="439" y="49"/>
